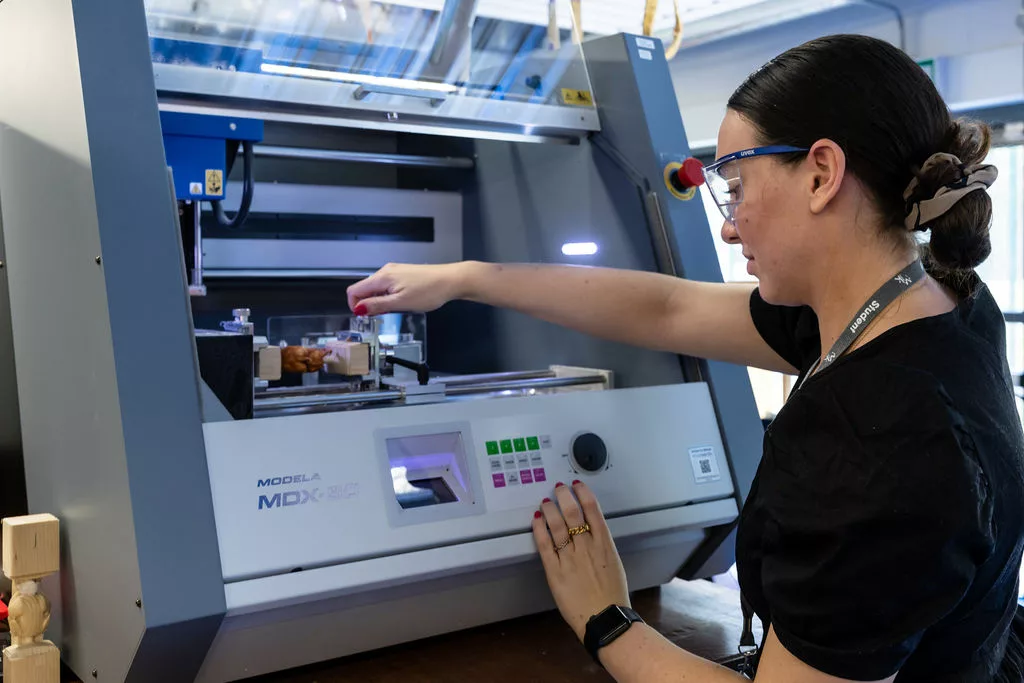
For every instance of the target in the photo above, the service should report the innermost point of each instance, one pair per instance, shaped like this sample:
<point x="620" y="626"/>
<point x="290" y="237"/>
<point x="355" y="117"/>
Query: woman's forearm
<point x="642" y="655"/>
<point x="621" y="305"/>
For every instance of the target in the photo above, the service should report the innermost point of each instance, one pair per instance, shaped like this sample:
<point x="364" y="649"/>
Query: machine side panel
<point x="163" y="645"/>
<point x="71" y="422"/>
<point x="12" y="464"/>
<point x="110" y="418"/>
<point x="640" y="119"/>
<point x="150" y="322"/>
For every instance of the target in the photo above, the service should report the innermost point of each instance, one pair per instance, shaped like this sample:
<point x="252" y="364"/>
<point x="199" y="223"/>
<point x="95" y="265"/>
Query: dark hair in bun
<point x="877" y="104"/>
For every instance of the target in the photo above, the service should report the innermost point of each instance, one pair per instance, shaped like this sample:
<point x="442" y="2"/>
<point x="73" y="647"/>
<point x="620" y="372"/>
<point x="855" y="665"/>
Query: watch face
<point x="610" y="623"/>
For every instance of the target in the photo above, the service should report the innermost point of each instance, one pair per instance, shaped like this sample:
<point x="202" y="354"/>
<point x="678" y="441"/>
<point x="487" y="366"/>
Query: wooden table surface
<point x="700" y="616"/>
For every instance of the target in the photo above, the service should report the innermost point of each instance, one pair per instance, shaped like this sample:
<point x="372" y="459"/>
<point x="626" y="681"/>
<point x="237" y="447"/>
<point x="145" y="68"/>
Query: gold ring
<point x="577" y="530"/>
<point x="563" y="544"/>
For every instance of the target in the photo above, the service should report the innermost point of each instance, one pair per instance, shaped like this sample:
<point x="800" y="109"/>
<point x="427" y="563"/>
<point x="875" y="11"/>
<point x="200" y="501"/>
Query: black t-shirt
<point x="885" y="525"/>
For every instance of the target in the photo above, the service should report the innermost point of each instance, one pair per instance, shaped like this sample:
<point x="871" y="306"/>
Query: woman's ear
<point x="826" y="166"/>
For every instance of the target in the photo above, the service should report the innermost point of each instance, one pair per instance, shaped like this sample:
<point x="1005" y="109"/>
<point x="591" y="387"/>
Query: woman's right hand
<point x="407" y="288"/>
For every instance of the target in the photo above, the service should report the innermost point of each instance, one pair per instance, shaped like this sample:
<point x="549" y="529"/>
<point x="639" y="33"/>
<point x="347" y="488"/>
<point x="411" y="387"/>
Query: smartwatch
<point x="605" y="627"/>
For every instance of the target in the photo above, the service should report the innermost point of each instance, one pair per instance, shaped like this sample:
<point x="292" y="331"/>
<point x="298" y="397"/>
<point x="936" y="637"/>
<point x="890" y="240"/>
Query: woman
<point x="882" y="536"/>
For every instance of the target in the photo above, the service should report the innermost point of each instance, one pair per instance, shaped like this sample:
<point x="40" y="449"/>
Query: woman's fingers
<point x="548" y="554"/>
<point x="567" y="503"/>
<point x="376" y="285"/>
<point x="592" y="511"/>
<point x="556" y="525"/>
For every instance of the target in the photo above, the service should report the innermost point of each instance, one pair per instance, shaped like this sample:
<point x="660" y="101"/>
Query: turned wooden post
<point x="31" y="550"/>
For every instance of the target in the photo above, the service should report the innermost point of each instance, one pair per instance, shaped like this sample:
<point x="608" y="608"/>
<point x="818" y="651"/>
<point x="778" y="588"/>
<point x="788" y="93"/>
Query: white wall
<point x="977" y="42"/>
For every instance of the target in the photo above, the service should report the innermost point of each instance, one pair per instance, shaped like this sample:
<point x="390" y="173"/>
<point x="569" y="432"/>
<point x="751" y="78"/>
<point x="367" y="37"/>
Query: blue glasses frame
<point x="727" y="193"/>
<point x="754" y="152"/>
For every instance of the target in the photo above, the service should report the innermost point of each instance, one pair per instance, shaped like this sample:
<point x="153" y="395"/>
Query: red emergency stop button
<point x="691" y="174"/>
<point x="683" y="179"/>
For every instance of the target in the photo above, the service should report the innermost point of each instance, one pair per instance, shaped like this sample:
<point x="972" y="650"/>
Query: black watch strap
<point x="605" y="627"/>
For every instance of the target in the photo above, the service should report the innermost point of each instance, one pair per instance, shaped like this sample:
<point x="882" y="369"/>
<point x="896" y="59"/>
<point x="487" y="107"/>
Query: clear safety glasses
<point x="723" y="176"/>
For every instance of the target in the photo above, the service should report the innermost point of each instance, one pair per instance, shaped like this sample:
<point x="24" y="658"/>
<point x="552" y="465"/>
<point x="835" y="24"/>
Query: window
<point x="1002" y="271"/>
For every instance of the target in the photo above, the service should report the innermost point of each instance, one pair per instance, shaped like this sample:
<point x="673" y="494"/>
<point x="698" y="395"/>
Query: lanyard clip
<point x="748" y="645"/>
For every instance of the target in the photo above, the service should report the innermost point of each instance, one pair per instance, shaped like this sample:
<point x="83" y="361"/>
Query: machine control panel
<point x="517" y="460"/>
<point x="374" y="483"/>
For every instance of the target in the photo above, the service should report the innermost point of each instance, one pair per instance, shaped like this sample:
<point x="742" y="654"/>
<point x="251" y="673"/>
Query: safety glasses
<point x="723" y="176"/>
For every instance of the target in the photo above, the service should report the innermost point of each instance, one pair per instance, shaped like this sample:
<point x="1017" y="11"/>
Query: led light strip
<point x="366" y="79"/>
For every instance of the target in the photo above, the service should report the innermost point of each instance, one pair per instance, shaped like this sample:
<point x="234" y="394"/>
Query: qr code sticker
<point x="705" y="464"/>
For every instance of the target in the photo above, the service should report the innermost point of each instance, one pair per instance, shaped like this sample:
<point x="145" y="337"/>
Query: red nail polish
<point x="536" y="514"/>
<point x="546" y="500"/>
<point x="360" y="309"/>
<point x="576" y="481"/>
<point x="559" y="484"/>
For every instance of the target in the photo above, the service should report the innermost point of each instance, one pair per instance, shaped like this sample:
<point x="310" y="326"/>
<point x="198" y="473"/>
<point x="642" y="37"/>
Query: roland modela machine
<point x="249" y="477"/>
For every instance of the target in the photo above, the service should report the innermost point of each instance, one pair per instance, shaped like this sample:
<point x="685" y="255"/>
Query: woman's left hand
<point x="585" y="574"/>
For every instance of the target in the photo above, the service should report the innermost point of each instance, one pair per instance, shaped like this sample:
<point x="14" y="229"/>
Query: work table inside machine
<point x="699" y="616"/>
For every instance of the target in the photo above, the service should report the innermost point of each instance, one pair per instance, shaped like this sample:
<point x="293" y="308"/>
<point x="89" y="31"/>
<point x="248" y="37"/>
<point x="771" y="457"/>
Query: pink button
<point x="538" y="474"/>
<point x="499" y="480"/>
<point x="526" y="476"/>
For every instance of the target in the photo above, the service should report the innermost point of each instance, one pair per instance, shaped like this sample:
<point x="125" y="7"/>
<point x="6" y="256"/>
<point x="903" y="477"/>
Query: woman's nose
<point x="729" y="234"/>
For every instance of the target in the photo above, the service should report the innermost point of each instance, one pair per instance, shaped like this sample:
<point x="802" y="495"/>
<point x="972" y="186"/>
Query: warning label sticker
<point x="215" y="182"/>
<point x="577" y="97"/>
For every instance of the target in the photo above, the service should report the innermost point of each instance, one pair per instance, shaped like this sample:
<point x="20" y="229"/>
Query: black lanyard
<point x="879" y="301"/>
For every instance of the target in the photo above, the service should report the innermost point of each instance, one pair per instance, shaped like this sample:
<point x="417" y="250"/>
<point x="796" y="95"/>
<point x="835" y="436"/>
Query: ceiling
<point x="612" y="16"/>
<point x="603" y="17"/>
<point x="703" y="20"/>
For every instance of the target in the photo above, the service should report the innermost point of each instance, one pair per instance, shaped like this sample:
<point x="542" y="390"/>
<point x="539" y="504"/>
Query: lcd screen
<point x="424" y="492"/>
<point x="427" y="470"/>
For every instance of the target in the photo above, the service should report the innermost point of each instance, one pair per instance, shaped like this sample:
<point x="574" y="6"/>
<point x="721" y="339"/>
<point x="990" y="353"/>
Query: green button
<point x="492" y="448"/>
<point x="520" y="445"/>
<point x="506" y="446"/>
<point x="532" y="443"/>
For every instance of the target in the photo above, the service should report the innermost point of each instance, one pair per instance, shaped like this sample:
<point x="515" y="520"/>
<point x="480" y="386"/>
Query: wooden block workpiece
<point x="348" y="358"/>
<point x="269" y="363"/>
<point x="31" y="546"/>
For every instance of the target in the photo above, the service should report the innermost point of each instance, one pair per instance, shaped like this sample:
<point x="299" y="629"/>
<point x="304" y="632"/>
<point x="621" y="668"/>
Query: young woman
<point x="882" y="537"/>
